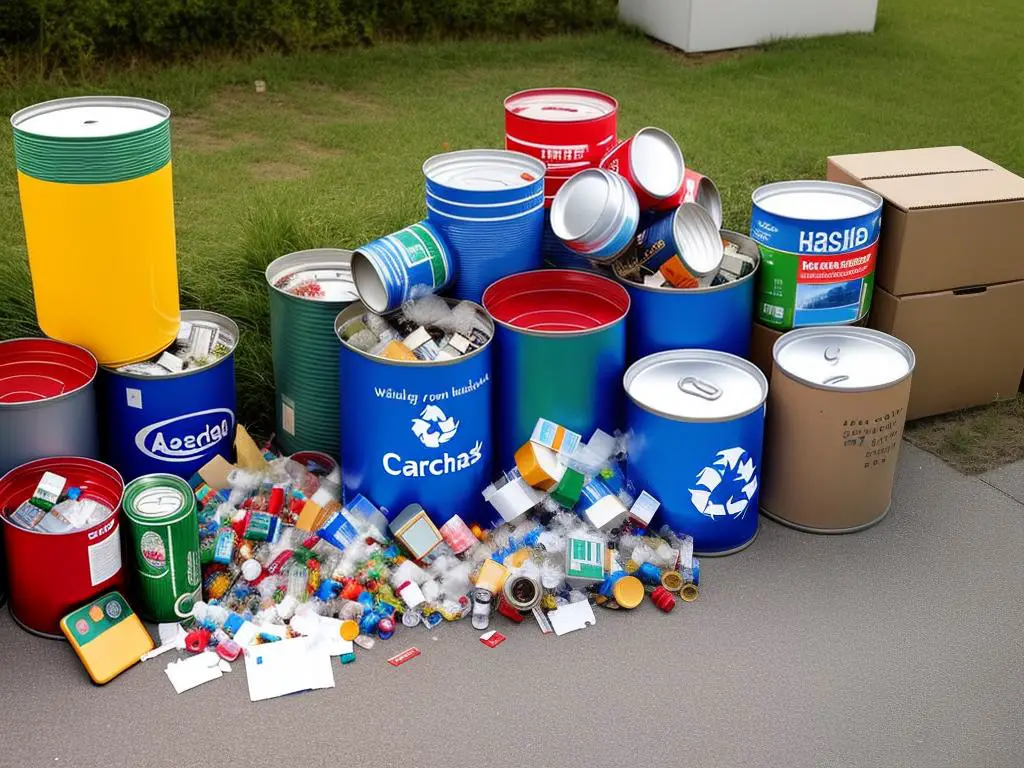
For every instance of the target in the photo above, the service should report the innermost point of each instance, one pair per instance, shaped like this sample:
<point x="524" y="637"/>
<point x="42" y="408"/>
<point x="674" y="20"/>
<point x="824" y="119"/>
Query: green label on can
<point x="797" y="290"/>
<point x="419" y="246"/>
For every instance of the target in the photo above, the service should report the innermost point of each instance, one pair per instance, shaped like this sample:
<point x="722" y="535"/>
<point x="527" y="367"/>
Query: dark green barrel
<point x="307" y="291"/>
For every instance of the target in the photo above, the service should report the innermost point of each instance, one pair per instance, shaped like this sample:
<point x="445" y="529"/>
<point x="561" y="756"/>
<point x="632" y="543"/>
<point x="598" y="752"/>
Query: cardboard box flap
<point x="949" y="189"/>
<point x="912" y="162"/>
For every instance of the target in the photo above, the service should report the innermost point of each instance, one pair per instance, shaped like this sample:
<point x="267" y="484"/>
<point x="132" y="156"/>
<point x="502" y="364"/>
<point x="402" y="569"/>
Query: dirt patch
<point x="197" y="135"/>
<point x="277" y="170"/>
<point x="975" y="440"/>
<point x="312" y="151"/>
<point x="705" y="59"/>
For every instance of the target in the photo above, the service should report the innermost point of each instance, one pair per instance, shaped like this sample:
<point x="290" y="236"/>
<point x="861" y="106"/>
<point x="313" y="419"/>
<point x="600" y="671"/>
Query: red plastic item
<point x="556" y="300"/>
<point x="229" y="651"/>
<point x="276" y="500"/>
<point x="197" y="640"/>
<point x="38" y="601"/>
<point x="664" y="599"/>
<point x="352" y="590"/>
<point x="506" y="609"/>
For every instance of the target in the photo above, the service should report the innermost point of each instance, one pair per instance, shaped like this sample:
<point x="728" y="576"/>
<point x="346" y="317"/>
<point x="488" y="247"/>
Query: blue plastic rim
<point x="173" y="424"/>
<point x="416" y="432"/>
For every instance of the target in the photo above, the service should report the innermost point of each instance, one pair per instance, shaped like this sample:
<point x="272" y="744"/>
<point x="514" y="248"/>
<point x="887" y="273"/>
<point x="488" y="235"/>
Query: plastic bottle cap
<point x="628" y="591"/>
<point x="251" y="570"/>
<point x="349" y="630"/>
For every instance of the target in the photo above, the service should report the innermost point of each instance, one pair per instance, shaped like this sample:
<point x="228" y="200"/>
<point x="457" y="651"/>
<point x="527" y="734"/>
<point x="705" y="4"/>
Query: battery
<point x="161" y="514"/>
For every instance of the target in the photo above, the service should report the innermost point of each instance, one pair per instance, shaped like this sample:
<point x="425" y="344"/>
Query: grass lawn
<point x="331" y="153"/>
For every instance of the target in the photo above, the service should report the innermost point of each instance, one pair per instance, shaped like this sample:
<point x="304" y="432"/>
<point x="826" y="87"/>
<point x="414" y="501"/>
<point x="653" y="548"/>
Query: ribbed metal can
<point x="416" y="432"/>
<point x="160" y="511"/>
<point x="174" y="422"/>
<point x="695" y="428"/>
<point x="718" y="317"/>
<point x="652" y="163"/>
<point x="560" y="350"/>
<point x="94" y="179"/>
<point x="836" y="414"/>
<point x="568" y="129"/>
<point x="307" y="291"/>
<point x="402" y="266"/>
<point x="596" y="214"/>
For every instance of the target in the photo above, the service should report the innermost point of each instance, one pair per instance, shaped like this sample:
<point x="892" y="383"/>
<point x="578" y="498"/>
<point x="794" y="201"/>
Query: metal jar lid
<point x="483" y="170"/>
<point x="816" y="200"/>
<point x="560" y="105"/>
<point x="327" y="272"/>
<point x="657" y="162"/>
<point x="844" y="358"/>
<point x="157" y="498"/>
<point x="696" y="385"/>
<point x="90" y="117"/>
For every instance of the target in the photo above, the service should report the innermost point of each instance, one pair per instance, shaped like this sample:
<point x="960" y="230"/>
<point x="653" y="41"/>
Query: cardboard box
<point x="969" y="344"/>
<point x="762" y="342"/>
<point x="951" y="219"/>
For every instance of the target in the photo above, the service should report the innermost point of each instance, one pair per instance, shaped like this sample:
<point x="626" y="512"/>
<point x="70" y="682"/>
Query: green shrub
<point x="74" y="32"/>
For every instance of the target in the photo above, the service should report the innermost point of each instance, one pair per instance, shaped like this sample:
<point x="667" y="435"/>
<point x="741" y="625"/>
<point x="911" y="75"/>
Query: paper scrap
<point x="186" y="674"/>
<point x="287" y="666"/>
<point x="569" y="618"/>
<point x="249" y="455"/>
<point x="406" y="655"/>
<point x="492" y="639"/>
<point x="215" y="473"/>
<point x="246" y="633"/>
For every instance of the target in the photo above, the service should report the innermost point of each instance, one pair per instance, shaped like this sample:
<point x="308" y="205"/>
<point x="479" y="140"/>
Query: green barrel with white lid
<point x="163" y="523"/>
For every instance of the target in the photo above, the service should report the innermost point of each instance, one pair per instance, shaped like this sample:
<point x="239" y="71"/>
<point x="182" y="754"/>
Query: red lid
<point x="39" y="369"/>
<point x="553" y="301"/>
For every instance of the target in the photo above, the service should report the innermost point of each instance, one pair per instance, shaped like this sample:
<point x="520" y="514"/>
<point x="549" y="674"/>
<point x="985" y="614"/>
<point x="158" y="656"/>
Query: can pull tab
<point x="835" y="379"/>
<point x="691" y="385"/>
<point x="831" y="355"/>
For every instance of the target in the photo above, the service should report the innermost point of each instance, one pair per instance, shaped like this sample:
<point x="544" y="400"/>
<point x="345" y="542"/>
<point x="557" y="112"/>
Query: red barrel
<point x="50" y="574"/>
<point x="570" y="129"/>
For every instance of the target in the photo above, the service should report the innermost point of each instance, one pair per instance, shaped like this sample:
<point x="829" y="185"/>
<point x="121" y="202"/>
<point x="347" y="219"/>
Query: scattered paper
<point x="224" y="666"/>
<point x="169" y="633"/>
<point x="246" y="634"/>
<point x="288" y="666"/>
<point x="406" y="655"/>
<point x="186" y="674"/>
<point x="492" y="639"/>
<point x="569" y="618"/>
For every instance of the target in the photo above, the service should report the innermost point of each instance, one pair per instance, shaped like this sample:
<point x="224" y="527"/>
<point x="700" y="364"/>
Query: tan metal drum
<point x="836" y="409"/>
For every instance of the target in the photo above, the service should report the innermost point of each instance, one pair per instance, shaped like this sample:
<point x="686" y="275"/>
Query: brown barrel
<point x="836" y="409"/>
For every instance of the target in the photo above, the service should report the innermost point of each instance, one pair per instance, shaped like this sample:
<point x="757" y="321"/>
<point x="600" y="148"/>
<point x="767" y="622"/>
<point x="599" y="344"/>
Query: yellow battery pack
<point x="107" y="636"/>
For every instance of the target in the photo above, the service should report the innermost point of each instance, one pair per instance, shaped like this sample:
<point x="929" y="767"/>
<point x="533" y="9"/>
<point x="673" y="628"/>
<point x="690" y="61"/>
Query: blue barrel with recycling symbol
<point x="695" y="421"/>
<point x="417" y="432"/>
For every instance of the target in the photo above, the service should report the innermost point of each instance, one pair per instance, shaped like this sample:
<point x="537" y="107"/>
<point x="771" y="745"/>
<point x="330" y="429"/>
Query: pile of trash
<point x="198" y="344"/>
<point x="283" y="558"/>
<point x="56" y="508"/>
<point x="425" y="329"/>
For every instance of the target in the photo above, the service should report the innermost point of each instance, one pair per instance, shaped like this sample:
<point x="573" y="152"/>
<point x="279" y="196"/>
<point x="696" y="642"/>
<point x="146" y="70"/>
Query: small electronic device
<point x="107" y="636"/>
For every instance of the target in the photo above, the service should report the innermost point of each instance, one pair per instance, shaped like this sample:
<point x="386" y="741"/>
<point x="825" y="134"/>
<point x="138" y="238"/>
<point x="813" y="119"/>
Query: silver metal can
<point x="596" y="214"/>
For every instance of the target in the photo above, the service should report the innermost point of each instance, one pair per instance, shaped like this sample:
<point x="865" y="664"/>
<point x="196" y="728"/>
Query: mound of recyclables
<point x="282" y="558"/>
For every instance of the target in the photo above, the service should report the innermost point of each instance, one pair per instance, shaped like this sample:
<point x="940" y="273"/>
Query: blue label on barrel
<point x="810" y="236"/>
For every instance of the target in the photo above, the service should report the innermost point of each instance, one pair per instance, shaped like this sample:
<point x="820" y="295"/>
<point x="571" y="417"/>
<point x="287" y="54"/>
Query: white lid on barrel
<point x="696" y="385"/>
<point x="90" y="116"/>
<point x="560" y="105"/>
<point x="843" y="358"/>
<point x="483" y="170"/>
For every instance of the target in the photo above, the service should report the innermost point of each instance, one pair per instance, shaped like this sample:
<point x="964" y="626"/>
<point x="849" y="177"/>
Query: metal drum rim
<point x="279" y="272"/>
<point x="794" y="335"/>
<point x="702" y="289"/>
<point x="865" y="195"/>
<point x="608" y="99"/>
<point x="74" y="102"/>
<point x="28" y="404"/>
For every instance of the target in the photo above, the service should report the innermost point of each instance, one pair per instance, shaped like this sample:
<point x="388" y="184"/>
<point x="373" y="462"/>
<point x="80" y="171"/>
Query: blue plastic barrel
<point x="695" y="428"/>
<point x="174" y="423"/>
<point x="718" y="317"/>
<point x="416" y="432"/>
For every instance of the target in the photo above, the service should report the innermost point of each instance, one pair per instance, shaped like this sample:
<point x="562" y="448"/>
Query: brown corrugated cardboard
<point x="951" y="219"/>
<point x="969" y="344"/>
<point x="762" y="341"/>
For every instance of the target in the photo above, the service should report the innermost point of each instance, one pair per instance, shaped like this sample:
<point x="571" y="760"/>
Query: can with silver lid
<point x="695" y="421"/>
<point x="176" y="411"/>
<point x="488" y="205"/>
<point x="838" y="406"/>
<point x="401" y="267"/>
<point x="160" y="511"/>
<point x="307" y="291"/>
<point x="818" y="240"/>
<point x="718" y="317"/>
<point x="595" y="214"/>
<point x="94" y="179"/>
<point x="651" y="161"/>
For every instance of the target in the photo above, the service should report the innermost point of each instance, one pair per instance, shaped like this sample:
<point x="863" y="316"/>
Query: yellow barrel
<point x="94" y="175"/>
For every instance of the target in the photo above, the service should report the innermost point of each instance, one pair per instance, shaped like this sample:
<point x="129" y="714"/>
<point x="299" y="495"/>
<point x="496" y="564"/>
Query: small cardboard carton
<point x="969" y="344"/>
<point x="952" y="219"/>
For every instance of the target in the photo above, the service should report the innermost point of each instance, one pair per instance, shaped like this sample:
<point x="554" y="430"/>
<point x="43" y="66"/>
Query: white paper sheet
<point x="288" y="666"/>
<point x="186" y="674"/>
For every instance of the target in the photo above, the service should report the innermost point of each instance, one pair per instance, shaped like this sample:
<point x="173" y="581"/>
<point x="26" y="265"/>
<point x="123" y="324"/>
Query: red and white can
<point x="52" y="573"/>
<point x="457" y="535"/>
<point x="700" y="189"/>
<point x="569" y="129"/>
<point x="651" y="161"/>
